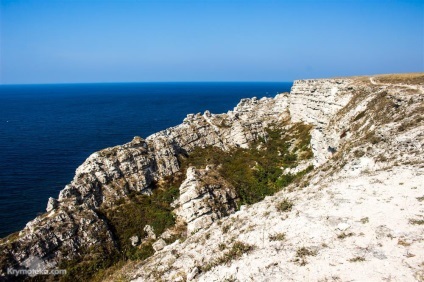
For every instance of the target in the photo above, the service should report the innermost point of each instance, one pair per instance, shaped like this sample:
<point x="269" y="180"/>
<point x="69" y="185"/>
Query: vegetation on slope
<point x="128" y="218"/>
<point x="255" y="173"/>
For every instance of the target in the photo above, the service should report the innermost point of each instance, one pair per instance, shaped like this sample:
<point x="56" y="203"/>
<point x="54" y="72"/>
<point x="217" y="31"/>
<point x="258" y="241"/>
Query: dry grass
<point x="345" y="235"/>
<point x="284" y="206"/>
<point x="404" y="78"/>
<point x="416" y="221"/>
<point x="277" y="237"/>
<point x="236" y="251"/>
<point x="302" y="253"/>
<point x="357" y="259"/>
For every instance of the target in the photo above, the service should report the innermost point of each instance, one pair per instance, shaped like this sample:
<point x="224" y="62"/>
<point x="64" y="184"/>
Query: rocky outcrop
<point x="364" y="127"/>
<point x="59" y="235"/>
<point x="316" y="102"/>
<point x="204" y="197"/>
<point x="357" y="217"/>
<point x="73" y="222"/>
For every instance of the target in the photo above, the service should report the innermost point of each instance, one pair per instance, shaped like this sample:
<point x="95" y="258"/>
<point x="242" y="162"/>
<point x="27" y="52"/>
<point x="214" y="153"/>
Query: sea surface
<point x="47" y="131"/>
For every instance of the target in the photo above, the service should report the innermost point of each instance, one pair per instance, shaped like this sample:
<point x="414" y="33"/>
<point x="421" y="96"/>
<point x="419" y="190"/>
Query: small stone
<point x="167" y="235"/>
<point x="207" y="114"/>
<point x="159" y="245"/>
<point x="193" y="273"/>
<point x="150" y="232"/>
<point x="51" y="204"/>
<point x="134" y="240"/>
<point x="343" y="226"/>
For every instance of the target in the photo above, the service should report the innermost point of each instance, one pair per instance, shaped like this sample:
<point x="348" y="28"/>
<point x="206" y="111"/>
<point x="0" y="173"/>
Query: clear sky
<point x="136" y="41"/>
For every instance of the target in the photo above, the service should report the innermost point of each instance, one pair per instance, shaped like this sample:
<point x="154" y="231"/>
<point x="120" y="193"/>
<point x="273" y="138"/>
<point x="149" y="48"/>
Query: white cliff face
<point x="204" y="197"/>
<point x="316" y="102"/>
<point x="73" y="221"/>
<point x="357" y="217"/>
<point x="364" y="202"/>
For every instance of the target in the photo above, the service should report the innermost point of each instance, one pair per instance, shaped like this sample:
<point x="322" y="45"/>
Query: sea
<point x="47" y="131"/>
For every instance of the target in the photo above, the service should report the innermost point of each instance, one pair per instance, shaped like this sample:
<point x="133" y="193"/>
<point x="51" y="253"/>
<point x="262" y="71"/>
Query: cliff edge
<point x="322" y="183"/>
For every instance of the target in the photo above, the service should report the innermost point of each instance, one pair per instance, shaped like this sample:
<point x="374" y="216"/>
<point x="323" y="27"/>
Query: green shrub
<point x="129" y="219"/>
<point x="416" y="221"/>
<point x="345" y="235"/>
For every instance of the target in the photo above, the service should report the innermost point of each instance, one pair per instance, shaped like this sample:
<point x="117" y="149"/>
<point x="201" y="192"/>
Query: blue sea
<point x="47" y="131"/>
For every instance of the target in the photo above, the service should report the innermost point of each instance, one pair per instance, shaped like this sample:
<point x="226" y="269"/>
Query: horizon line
<point x="138" y="82"/>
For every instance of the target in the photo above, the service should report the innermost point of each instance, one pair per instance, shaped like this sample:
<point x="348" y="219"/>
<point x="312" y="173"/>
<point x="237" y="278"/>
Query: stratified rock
<point x="204" y="197"/>
<point x="347" y="121"/>
<point x="315" y="102"/>
<point x="111" y="174"/>
<point x="357" y="216"/>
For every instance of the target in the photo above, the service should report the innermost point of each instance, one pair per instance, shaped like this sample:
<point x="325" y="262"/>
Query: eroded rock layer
<point x="371" y="130"/>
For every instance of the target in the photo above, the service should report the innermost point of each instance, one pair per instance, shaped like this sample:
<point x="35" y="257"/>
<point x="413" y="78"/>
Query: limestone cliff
<point x="367" y="142"/>
<point x="357" y="217"/>
<point x="73" y="222"/>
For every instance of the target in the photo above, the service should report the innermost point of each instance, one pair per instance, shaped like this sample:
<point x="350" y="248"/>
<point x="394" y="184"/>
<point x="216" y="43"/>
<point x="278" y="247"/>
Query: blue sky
<point x="234" y="40"/>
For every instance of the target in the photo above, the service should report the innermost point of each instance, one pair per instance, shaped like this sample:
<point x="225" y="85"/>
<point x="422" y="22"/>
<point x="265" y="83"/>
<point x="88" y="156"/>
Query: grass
<point x="130" y="218"/>
<point x="359" y="116"/>
<point x="236" y="251"/>
<point x="407" y="78"/>
<point x="344" y="235"/>
<point x="222" y="246"/>
<point x="225" y="228"/>
<point x="403" y="243"/>
<point x="364" y="220"/>
<point x="302" y="253"/>
<point x="126" y="220"/>
<point x="357" y="259"/>
<point x="416" y="221"/>
<point x="256" y="172"/>
<point x="284" y="206"/>
<point x="277" y="236"/>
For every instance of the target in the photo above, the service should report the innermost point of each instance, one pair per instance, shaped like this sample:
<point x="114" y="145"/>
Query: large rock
<point x="204" y="197"/>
